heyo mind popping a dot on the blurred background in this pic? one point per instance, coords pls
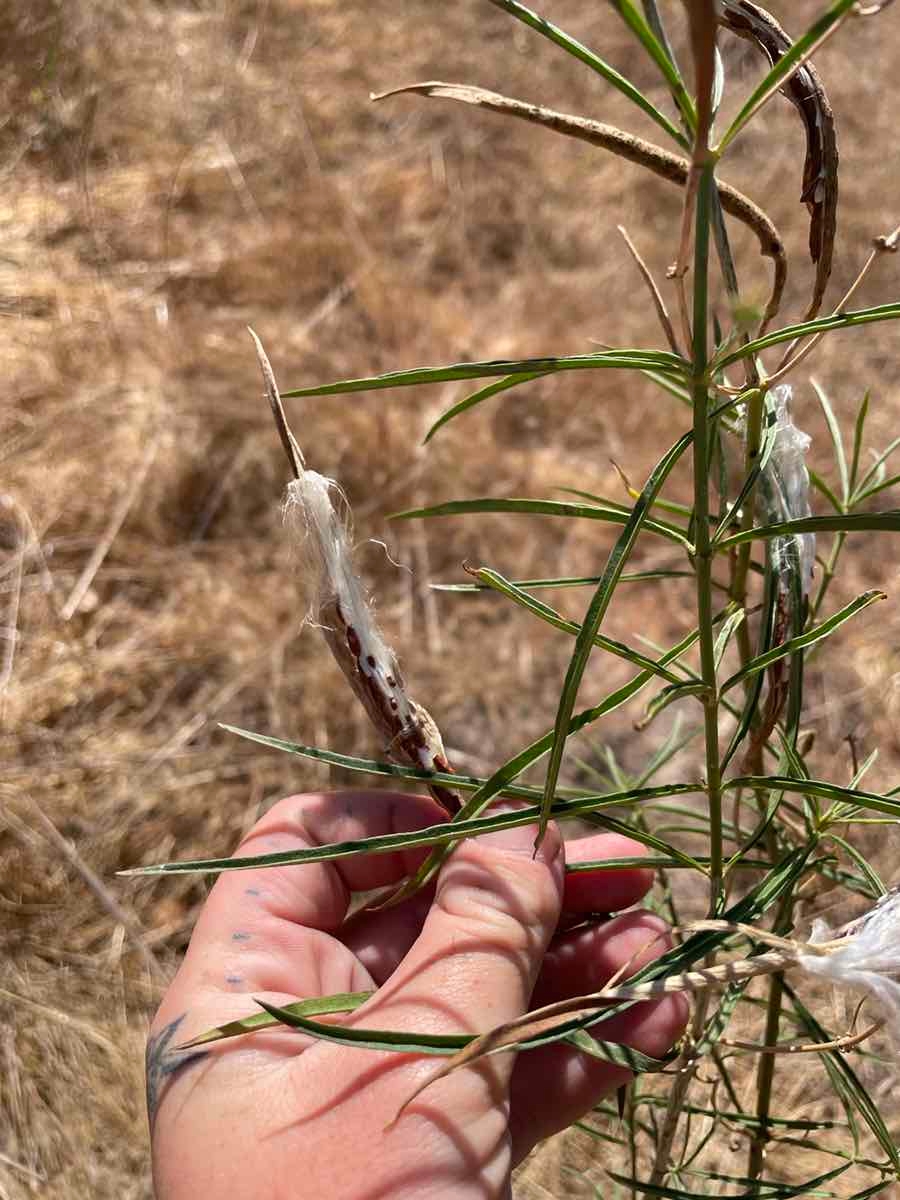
(175, 172)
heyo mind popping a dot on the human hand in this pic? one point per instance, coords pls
(278, 1115)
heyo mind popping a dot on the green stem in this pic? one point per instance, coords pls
(827, 575)
(765, 1074)
(764, 1078)
(740, 563)
(703, 547)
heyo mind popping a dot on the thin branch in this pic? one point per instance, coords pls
(847, 1042)
(658, 303)
(885, 244)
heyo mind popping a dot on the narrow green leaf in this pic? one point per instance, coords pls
(819, 787)
(855, 884)
(670, 695)
(843, 320)
(834, 432)
(874, 489)
(371, 766)
(746, 1118)
(864, 768)
(816, 634)
(726, 633)
(658, 860)
(877, 1189)
(878, 465)
(659, 360)
(618, 1054)
(654, 20)
(498, 583)
(679, 510)
(738, 859)
(485, 393)
(790, 755)
(774, 78)
(884, 522)
(567, 581)
(674, 744)
(638, 834)
(602, 1135)
(821, 486)
(680, 958)
(443, 1044)
(874, 880)
(500, 783)
(760, 1189)
(550, 508)
(757, 899)
(766, 446)
(668, 384)
(858, 431)
(562, 39)
(434, 834)
(639, 26)
(315, 1007)
(719, 1022)
(596, 612)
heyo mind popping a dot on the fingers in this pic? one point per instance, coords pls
(584, 960)
(268, 929)
(475, 962)
(605, 891)
(473, 965)
(380, 939)
(553, 1087)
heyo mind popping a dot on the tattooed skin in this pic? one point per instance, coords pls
(163, 1064)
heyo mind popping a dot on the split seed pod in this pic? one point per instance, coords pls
(317, 513)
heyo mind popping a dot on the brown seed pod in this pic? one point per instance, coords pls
(340, 607)
(805, 91)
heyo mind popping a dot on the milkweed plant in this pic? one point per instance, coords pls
(752, 545)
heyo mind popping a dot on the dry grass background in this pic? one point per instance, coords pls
(173, 172)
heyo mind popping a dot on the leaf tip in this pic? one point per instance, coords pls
(211, 1035)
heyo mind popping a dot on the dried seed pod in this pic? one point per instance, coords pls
(660, 162)
(805, 91)
(340, 607)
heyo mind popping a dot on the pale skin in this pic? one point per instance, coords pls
(278, 1116)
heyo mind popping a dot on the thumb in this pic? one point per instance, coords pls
(476, 960)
